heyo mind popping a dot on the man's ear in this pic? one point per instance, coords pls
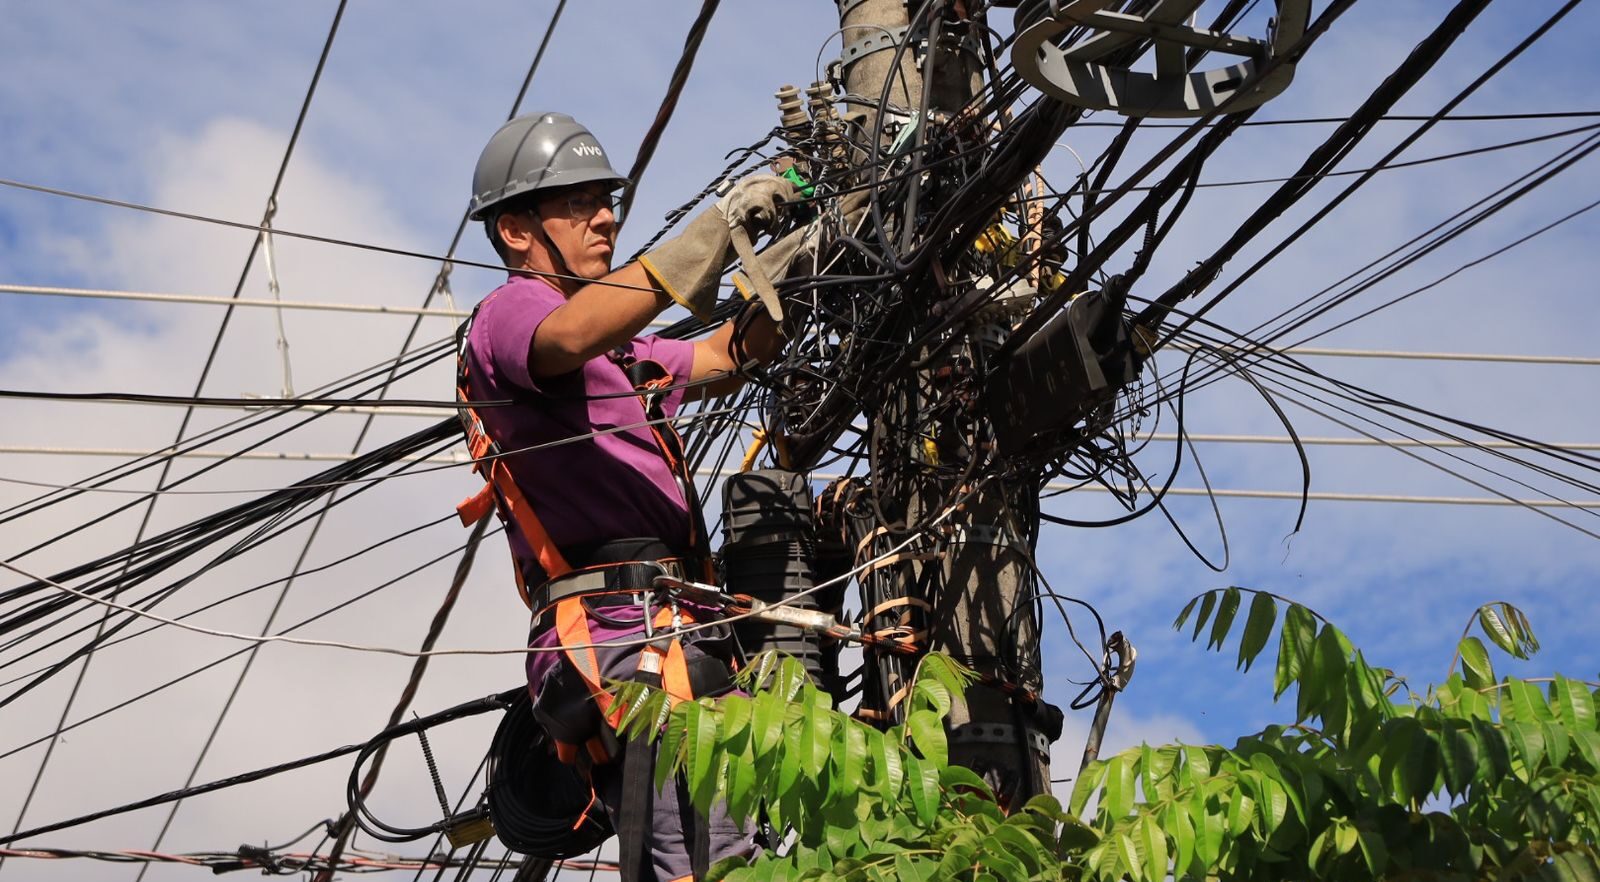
(516, 231)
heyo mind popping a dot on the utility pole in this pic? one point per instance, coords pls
(974, 597)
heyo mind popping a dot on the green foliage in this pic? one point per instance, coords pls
(1477, 778)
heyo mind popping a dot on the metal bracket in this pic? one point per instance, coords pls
(877, 41)
(998, 733)
(1074, 74)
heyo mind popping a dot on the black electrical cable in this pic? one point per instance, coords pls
(1428, 160)
(128, 702)
(225, 430)
(1388, 117)
(138, 571)
(243, 592)
(1422, 59)
(292, 234)
(461, 711)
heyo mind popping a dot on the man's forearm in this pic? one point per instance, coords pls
(597, 319)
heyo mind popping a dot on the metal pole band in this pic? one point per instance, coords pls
(879, 40)
(998, 733)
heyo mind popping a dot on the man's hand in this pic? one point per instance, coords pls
(795, 251)
(688, 266)
(755, 202)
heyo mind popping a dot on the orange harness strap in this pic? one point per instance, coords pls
(572, 629)
(500, 490)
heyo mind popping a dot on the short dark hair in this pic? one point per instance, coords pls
(522, 203)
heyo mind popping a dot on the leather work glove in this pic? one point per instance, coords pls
(799, 249)
(689, 265)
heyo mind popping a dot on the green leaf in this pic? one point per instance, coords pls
(886, 765)
(927, 731)
(700, 724)
(669, 755)
(1573, 703)
(934, 695)
(1128, 857)
(1208, 602)
(1587, 744)
(1576, 866)
(1177, 624)
(960, 777)
(1557, 744)
(1004, 865)
(1458, 755)
(816, 734)
(923, 780)
(742, 790)
(1241, 810)
(1212, 827)
(1224, 620)
(1522, 627)
(1153, 846)
(1497, 630)
(1475, 666)
(1019, 843)
(1528, 738)
(1274, 806)
(1084, 787)
(1421, 767)
(1526, 702)
(1319, 845)
(1345, 838)
(945, 670)
(1117, 800)
(766, 719)
(1322, 684)
(1374, 853)
(1257, 629)
(736, 711)
(789, 756)
(959, 856)
(850, 754)
(1181, 826)
(1494, 756)
(1397, 738)
(1294, 647)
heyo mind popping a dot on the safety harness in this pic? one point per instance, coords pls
(567, 597)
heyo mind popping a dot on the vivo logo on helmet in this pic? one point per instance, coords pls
(587, 150)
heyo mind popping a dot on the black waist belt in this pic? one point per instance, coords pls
(612, 584)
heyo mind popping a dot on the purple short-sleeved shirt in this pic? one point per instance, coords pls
(601, 488)
(596, 489)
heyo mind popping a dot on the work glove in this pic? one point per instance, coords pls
(798, 250)
(689, 265)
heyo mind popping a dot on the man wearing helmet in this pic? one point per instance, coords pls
(584, 468)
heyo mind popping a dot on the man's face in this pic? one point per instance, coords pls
(582, 225)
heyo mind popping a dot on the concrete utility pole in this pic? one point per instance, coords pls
(975, 597)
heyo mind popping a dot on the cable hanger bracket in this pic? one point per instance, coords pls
(1076, 73)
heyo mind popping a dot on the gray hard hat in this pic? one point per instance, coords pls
(537, 151)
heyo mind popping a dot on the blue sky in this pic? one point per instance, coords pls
(189, 105)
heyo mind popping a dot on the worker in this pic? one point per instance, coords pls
(584, 467)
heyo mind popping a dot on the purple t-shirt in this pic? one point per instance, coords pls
(603, 487)
(615, 485)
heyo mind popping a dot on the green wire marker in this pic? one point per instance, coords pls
(804, 186)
